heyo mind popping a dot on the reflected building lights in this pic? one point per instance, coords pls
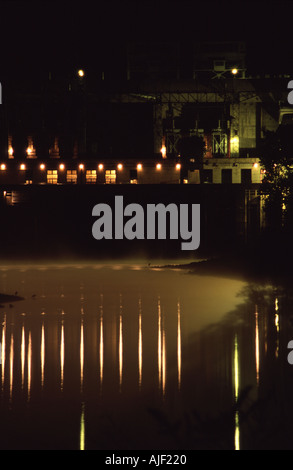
(101, 348)
(82, 429)
(42, 354)
(120, 347)
(29, 366)
(81, 353)
(236, 393)
(164, 363)
(179, 359)
(62, 355)
(159, 345)
(161, 351)
(3, 347)
(11, 366)
(22, 356)
(277, 325)
(139, 347)
(256, 345)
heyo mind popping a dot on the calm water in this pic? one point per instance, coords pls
(126, 357)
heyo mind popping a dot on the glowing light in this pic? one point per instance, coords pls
(29, 150)
(82, 429)
(255, 165)
(3, 348)
(179, 344)
(234, 144)
(159, 345)
(164, 151)
(178, 166)
(80, 73)
(81, 352)
(29, 367)
(81, 166)
(10, 151)
(234, 71)
(101, 348)
(3, 167)
(42, 166)
(101, 166)
(256, 346)
(22, 166)
(22, 355)
(139, 347)
(139, 166)
(11, 365)
(159, 166)
(120, 351)
(42, 355)
(62, 354)
(120, 166)
(61, 167)
(236, 393)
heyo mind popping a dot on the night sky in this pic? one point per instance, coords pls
(62, 36)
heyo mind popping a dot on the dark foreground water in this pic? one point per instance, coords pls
(119, 357)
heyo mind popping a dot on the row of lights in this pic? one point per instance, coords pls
(81, 166)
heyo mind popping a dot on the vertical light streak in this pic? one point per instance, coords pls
(101, 348)
(164, 363)
(120, 351)
(179, 358)
(3, 349)
(159, 345)
(29, 366)
(81, 354)
(43, 355)
(277, 325)
(62, 355)
(11, 366)
(236, 393)
(256, 345)
(82, 429)
(139, 347)
(22, 356)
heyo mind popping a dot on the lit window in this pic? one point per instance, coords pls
(91, 176)
(71, 176)
(52, 176)
(110, 177)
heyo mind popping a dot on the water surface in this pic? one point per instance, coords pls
(117, 356)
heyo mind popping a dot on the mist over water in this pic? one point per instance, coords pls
(103, 356)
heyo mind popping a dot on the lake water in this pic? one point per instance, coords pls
(126, 356)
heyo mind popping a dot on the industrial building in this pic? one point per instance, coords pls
(190, 117)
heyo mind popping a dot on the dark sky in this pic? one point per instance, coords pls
(65, 35)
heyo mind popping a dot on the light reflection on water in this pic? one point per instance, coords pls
(89, 350)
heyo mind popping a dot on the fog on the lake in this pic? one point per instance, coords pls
(107, 356)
